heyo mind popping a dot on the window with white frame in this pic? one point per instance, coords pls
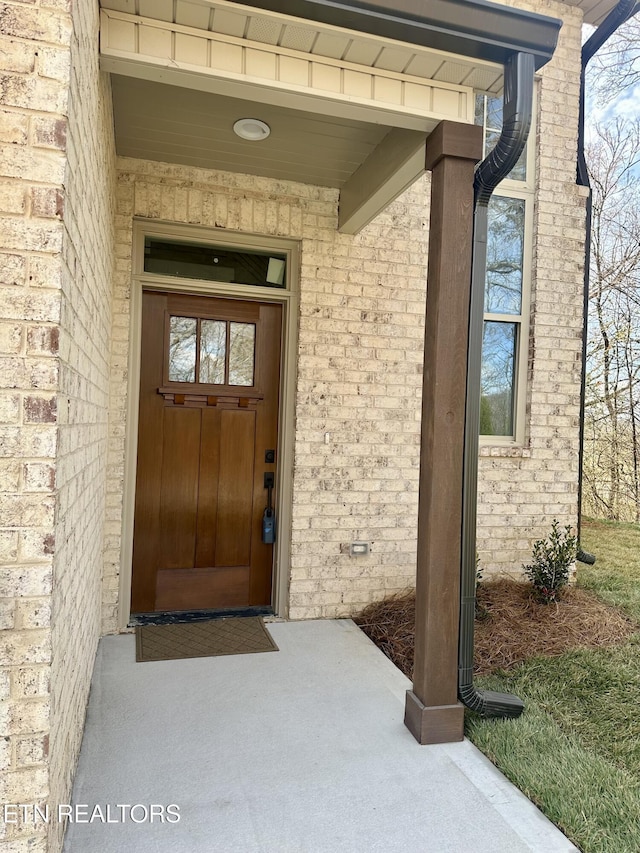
(507, 286)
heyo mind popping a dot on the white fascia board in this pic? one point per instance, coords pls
(233, 67)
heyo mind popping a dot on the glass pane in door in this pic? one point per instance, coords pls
(182, 349)
(213, 345)
(242, 338)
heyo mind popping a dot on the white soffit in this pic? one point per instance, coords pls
(262, 27)
(594, 11)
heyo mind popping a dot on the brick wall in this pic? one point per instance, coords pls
(55, 277)
(83, 398)
(521, 490)
(360, 382)
(34, 57)
(359, 370)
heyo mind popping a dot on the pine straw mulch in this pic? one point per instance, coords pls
(510, 627)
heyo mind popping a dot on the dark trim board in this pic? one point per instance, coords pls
(473, 28)
(140, 619)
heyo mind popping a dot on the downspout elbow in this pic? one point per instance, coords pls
(488, 703)
(517, 111)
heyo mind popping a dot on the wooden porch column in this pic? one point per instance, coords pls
(432, 712)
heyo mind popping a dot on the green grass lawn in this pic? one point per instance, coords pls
(615, 577)
(576, 749)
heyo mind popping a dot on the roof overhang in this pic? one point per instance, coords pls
(360, 83)
(472, 28)
(594, 11)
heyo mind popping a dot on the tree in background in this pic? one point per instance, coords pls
(617, 63)
(611, 476)
(611, 485)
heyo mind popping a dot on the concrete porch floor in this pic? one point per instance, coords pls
(298, 751)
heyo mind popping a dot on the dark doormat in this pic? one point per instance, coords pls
(203, 639)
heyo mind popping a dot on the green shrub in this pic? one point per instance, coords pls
(552, 559)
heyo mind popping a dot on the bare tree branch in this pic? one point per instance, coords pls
(612, 431)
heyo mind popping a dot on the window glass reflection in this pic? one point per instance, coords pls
(241, 353)
(213, 263)
(213, 344)
(494, 113)
(505, 251)
(182, 349)
(498, 378)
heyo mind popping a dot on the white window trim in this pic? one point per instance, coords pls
(524, 190)
(523, 322)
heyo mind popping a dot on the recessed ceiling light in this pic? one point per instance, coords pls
(252, 129)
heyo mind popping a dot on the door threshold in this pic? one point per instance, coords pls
(174, 617)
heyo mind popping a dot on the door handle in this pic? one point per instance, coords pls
(268, 518)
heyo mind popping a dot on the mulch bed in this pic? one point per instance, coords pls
(511, 625)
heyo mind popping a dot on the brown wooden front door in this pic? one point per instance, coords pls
(209, 385)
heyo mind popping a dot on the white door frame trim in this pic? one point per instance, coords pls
(288, 297)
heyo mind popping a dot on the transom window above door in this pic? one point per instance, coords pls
(213, 263)
(210, 351)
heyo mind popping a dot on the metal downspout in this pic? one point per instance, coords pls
(622, 12)
(517, 109)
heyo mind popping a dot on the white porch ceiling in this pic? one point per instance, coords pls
(155, 121)
(345, 110)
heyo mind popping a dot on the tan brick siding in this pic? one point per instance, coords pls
(522, 490)
(83, 400)
(359, 375)
(56, 156)
(359, 383)
(33, 126)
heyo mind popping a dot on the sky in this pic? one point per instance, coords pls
(625, 105)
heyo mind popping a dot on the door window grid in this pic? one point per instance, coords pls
(218, 352)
